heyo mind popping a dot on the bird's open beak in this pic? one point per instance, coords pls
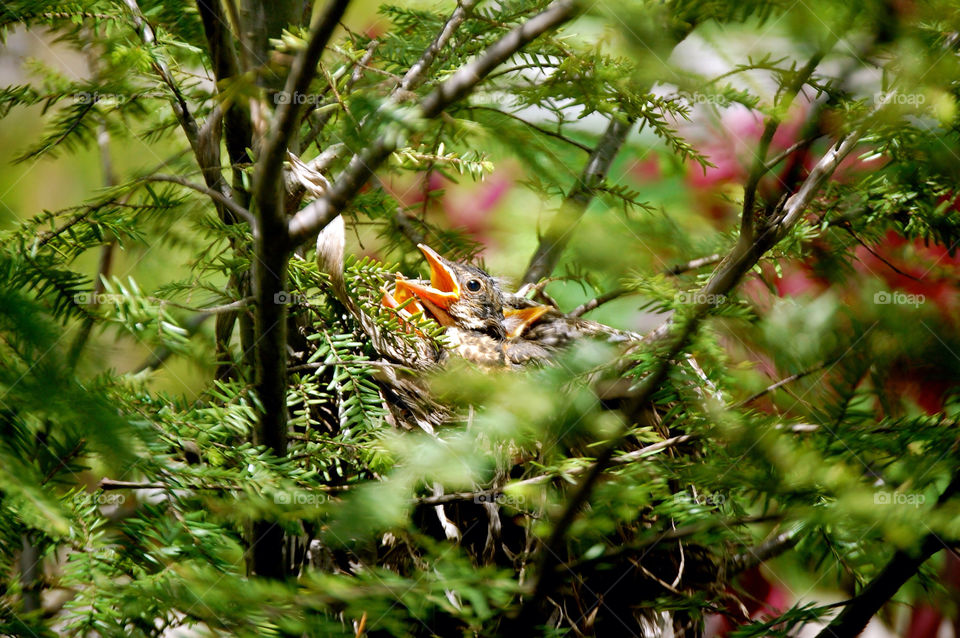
(443, 289)
(516, 321)
(435, 298)
(401, 299)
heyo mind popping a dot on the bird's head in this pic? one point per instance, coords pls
(458, 295)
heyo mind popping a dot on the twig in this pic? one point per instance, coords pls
(270, 163)
(539, 129)
(783, 382)
(325, 116)
(206, 149)
(890, 265)
(763, 552)
(111, 484)
(558, 234)
(216, 196)
(616, 293)
(159, 356)
(238, 127)
(106, 251)
(675, 534)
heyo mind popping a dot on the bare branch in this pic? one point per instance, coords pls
(574, 205)
(416, 75)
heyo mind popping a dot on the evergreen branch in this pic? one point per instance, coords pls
(468, 76)
(159, 356)
(205, 144)
(217, 197)
(749, 249)
(728, 275)
(858, 611)
(180, 108)
(671, 535)
(311, 219)
(574, 205)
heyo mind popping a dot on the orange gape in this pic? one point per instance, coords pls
(409, 298)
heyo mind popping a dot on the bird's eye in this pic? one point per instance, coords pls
(473, 285)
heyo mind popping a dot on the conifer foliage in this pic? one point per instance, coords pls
(790, 420)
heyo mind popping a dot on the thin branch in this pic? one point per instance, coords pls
(763, 552)
(887, 262)
(671, 535)
(105, 263)
(783, 382)
(111, 484)
(238, 127)
(322, 119)
(616, 293)
(159, 356)
(693, 264)
(539, 129)
(216, 196)
(745, 254)
(558, 234)
(306, 223)
(468, 76)
(206, 149)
